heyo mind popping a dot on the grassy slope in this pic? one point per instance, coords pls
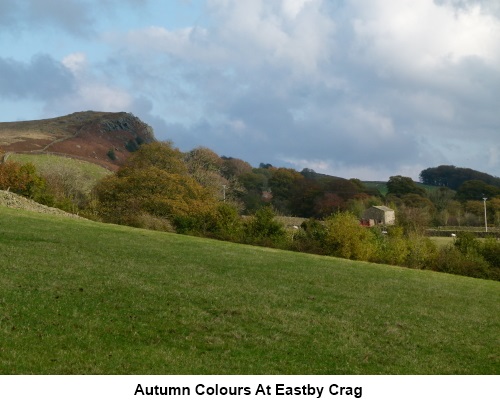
(79, 297)
(379, 185)
(88, 173)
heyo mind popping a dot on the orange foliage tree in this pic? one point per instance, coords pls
(154, 182)
(21, 179)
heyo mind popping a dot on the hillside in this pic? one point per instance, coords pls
(98, 137)
(144, 302)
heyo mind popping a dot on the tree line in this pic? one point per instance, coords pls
(201, 193)
(453, 177)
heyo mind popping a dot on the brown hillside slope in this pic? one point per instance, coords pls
(85, 135)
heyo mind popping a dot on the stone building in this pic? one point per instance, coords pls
(378, 215)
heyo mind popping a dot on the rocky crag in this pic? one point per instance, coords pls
(99, 137)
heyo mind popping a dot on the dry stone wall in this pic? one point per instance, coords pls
(12, 200)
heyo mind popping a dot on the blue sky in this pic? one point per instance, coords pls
(359, 88)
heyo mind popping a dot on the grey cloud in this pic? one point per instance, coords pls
(489, 6)
(7, 12)
(350, 110)
(43, 78)
(76, 17)
(73, 16)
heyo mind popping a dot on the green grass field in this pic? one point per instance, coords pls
(379, 185)
(84, 174)
(442, 241)
(78, 297)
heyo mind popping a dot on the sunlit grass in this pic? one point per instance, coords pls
(78, 297)
(86, 174)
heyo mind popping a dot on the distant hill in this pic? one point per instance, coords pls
(453, 177)
(311, 174)
(98, 137)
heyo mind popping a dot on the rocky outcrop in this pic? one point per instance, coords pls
(103, 138)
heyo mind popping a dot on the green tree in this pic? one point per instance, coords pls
(254, 183)
(393, 247)
(346, 238)
(400, 185)
(476, 190)
(263, 228)
(282, 185)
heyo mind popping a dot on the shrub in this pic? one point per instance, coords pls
(264, 229)
(148, 221)
(132, 145)
(452, 260)
(490, 250)
(228, 223)
(393, 248)
(467, 243)
(223, 222)
(422, 251)
(346, 238)
(310, 238)
(111, 154)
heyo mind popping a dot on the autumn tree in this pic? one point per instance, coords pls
(204, 165)
(232, 167)
(327, 204)
(21, 179)
(305, 196)
(155, 182)
(162, 155)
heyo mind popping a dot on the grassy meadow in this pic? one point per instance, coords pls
(79, 297)
(84, 174)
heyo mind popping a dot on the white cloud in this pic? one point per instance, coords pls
(293, 7)
(247, 35)
(381, 87)
(76, 62)
(100, 97)
(423, 37)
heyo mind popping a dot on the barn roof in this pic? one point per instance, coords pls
(383, 208)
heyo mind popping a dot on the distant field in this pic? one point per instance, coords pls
(379, 185)
(79, 297)
(441, 241)
(87, 174)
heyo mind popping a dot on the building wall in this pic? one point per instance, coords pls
(380, 216)
(390, 218)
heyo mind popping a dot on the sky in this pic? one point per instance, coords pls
(362, 89)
